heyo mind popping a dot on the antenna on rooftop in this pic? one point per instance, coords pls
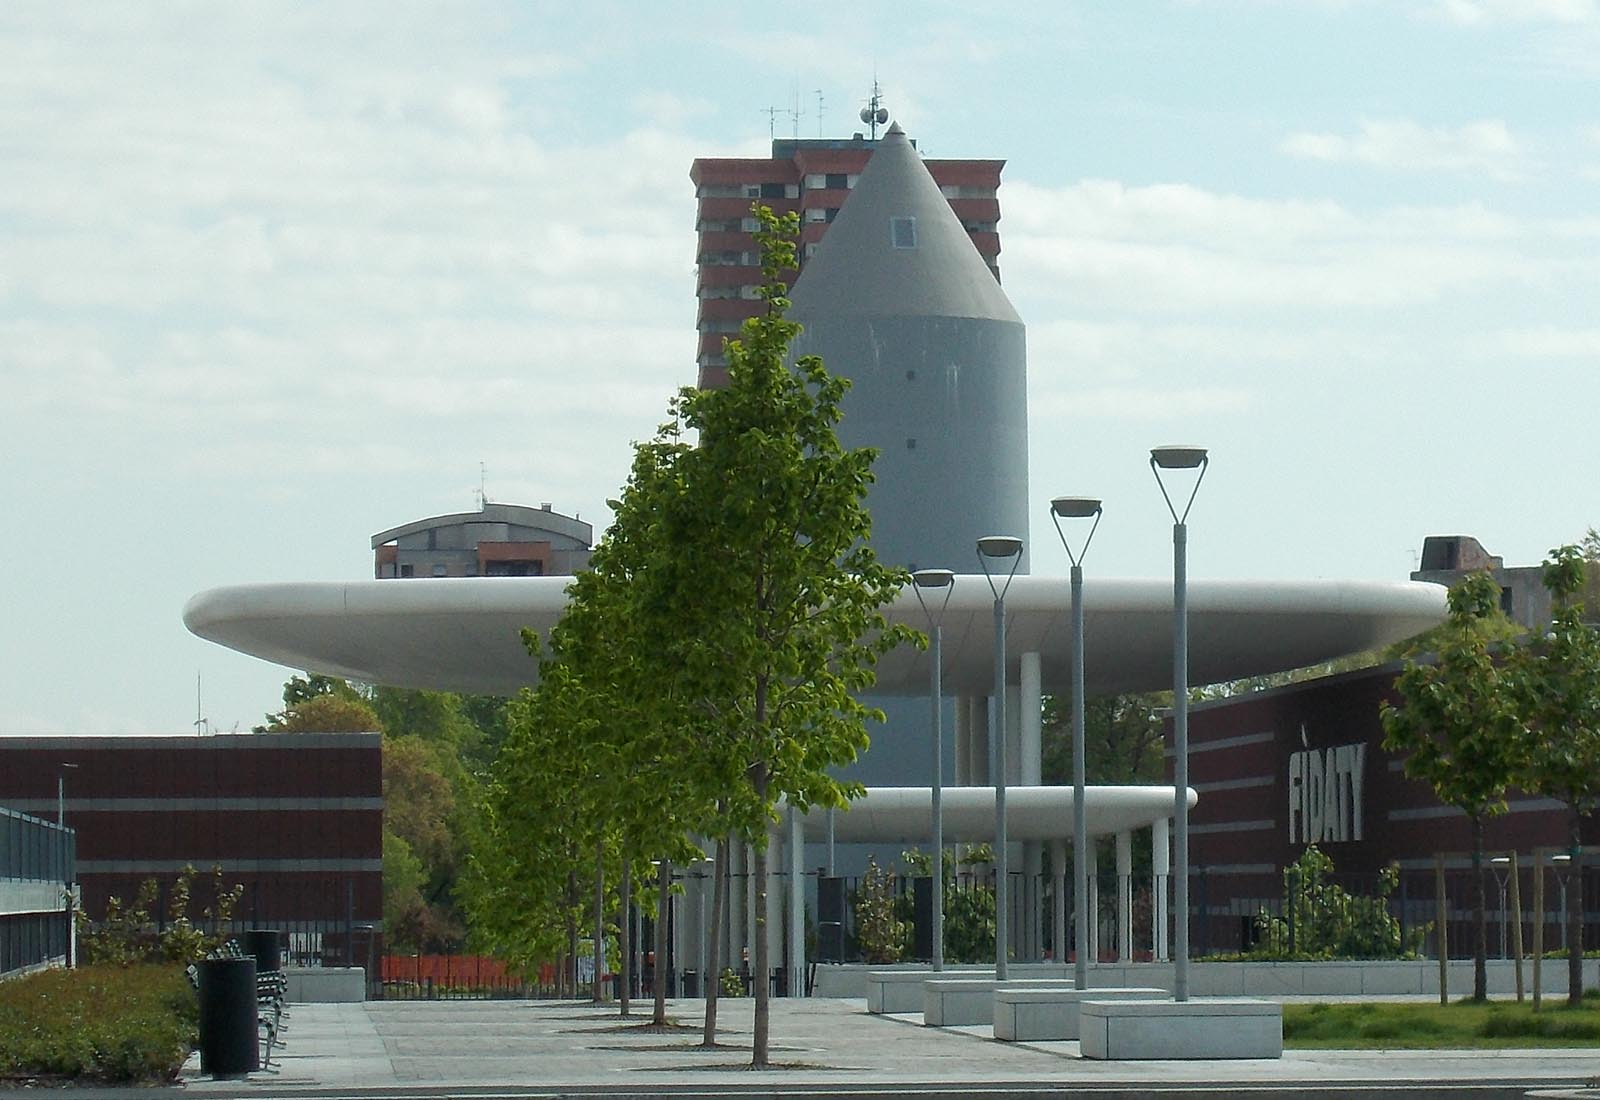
(483, 492)
(875, 114)
(819, 111)
(772, 114)
(202, 725)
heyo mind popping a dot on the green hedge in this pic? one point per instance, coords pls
(134, 1024)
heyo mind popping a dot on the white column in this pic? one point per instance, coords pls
(1125, 897)
(1013, 736)
(1092, 937)
(1160, 870)
(963, 776)
(978, 743)
(796, 848)
(1031, 718)
(775, 908)
(1058, 907)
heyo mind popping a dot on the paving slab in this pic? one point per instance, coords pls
(823, 1048)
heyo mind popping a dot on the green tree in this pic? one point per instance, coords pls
(1322, 920)
(329, 713)
(1457, 724)
(881, 932)
(761, 590)
(1558, 681)
(1122, 738)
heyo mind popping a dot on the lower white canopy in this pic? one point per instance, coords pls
(904, 815)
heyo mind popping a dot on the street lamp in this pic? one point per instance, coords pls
(1078, 508)
(1565, 860)
(1001, 548)
(1180, 458)
(946, 580)
(1497, 865)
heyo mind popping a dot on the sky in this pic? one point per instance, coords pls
(274, 278)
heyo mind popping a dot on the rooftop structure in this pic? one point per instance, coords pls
(498, 540)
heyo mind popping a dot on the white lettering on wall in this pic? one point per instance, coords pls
(1325, 794)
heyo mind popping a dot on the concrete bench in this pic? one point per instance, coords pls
(1051, 1012)
(1220, 1028)
(962, 1002)
(900, 991)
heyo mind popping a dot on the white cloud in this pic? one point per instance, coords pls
(1478, 13)
(1486, 147)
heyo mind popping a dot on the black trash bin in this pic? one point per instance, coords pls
(265, 945)
(689, 984)
(228, 1037)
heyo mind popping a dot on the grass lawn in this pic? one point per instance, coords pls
(1493, 1025)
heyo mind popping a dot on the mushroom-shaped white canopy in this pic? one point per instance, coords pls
(463, 634)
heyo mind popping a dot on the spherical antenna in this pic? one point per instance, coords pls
(866, 114)
(882, 115)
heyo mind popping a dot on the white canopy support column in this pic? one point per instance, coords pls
(1125, 897)
(796, 849)
(963, 742)
(1031, 715)
(1058, 899)
(1091, 935)
(1160, 875)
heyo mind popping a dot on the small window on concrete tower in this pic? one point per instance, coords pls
(903, 232)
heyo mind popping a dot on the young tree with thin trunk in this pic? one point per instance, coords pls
(763, 593)
(1457, 724)
(1558, 681)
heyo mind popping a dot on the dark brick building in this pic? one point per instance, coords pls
(297, 819)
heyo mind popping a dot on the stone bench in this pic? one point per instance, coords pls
(900, 991)
(962, 1002)
(1050, 1012)
(1230, 1027)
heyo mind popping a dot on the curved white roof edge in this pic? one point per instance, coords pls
(905, 814)
(463, 634)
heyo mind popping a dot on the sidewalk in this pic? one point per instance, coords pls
(825, 1046)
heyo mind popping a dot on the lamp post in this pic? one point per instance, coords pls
(936, 579)
(1180, 458)
(1000, 548)
(1078, 508)
(1500, 868)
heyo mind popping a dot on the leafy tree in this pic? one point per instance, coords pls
(761, 591)
(1122, 738)
(330, 713)
(881, 932)
(1457, 724)
(1322, 920)
(1558, 682)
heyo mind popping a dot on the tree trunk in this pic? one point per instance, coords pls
(1480, 919)
(1575, 912)
(763, 963)
(663, 910)
(599, 920)
(713, 975)
(625, 934)
(570, 970)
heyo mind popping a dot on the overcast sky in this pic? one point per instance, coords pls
(276, 277)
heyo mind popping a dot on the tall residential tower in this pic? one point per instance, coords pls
(811, 177)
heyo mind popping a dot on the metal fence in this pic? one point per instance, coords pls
(37, 862)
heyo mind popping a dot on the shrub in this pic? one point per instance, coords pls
(1324, 921)
(110, 1023)
(880, 931)
(128, 934)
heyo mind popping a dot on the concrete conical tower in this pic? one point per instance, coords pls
(898, 300)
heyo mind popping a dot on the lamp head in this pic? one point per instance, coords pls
(1178, 456)
(999, 546)
(933, 578)
(1075, 507)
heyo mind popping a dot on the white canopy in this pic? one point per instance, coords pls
(463, 634)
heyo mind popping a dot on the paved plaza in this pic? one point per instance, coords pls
(824, 1048)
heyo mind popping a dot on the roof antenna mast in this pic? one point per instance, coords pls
(875, 114)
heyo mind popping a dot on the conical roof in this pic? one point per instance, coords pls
(897, 249)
